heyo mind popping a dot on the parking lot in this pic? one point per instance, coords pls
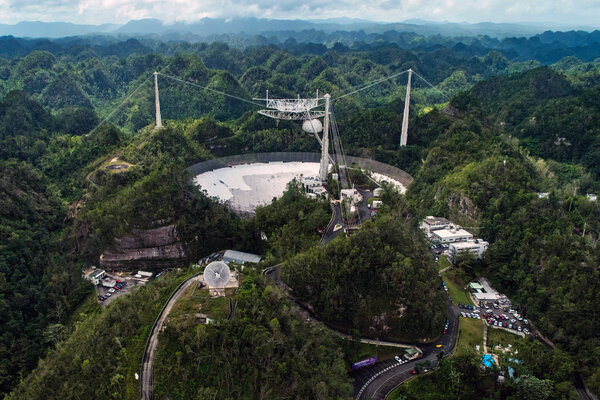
(497, 316)
(122, 285)
(438, 249)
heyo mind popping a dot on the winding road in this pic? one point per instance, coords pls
(387, 380)
(378, 380)
(147, 370)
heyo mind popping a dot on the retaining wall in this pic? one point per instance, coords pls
(375, 166)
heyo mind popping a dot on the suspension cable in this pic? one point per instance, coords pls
(377, 82)
(211, 90)
(120, 105)
(433, 87)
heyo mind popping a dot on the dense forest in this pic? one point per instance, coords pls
(265, 351)
(380, 282)
(512, 129)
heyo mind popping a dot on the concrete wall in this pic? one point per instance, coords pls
(365, 163)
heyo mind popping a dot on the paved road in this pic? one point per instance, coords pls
(147, 371)
(364, 213)
(388, 379)
(330, 234)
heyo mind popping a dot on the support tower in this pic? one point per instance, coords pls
(324, 167)
(404, 135)
(157, 101)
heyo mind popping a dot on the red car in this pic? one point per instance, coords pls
(412, 371)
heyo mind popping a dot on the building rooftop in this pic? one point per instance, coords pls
(449, 233)
(475, 286)
(486, 296)
(240, 256)
(467, 245)
(431, 220)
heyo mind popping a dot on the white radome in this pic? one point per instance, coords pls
(216, 274)
(312, 126)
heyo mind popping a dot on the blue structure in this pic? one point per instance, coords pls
(487, 360)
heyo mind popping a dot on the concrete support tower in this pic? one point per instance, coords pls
(157, 101)
(404, 135)
(324, 168)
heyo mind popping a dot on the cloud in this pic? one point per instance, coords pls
(120, 11)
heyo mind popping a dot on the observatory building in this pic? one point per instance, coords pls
(218, 277)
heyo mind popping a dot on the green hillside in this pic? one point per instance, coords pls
(480, 159)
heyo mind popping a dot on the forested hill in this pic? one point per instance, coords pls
(546, 48)
(481, 160)
(539, 256)
(554, 116)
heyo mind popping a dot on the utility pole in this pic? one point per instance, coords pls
(324, 168)
(157, 101)
(404, 135)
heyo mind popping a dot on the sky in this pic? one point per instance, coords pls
(556, 12)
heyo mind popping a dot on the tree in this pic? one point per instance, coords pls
(531, 388)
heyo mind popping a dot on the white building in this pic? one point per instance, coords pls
(431, 224)
(477, 247)
(352, 194)
(319, 191)
(592, 197)
(95, 276)
(310, 182)
(376, 204)
(451, 235)
(377, 192)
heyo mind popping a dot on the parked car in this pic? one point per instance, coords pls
(397, 359)
(412, 371)
(111, 290)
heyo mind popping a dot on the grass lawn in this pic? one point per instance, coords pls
(470, 334)
(366, 350)
(443, 262)
(499, 336)
(456, 283)
(201, 302)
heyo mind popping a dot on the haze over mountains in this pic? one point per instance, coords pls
(252, 26)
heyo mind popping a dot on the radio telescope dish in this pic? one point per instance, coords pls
(312, 126)
(216, 274)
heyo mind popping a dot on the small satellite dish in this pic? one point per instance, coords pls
(312, 126)
(216, 274)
